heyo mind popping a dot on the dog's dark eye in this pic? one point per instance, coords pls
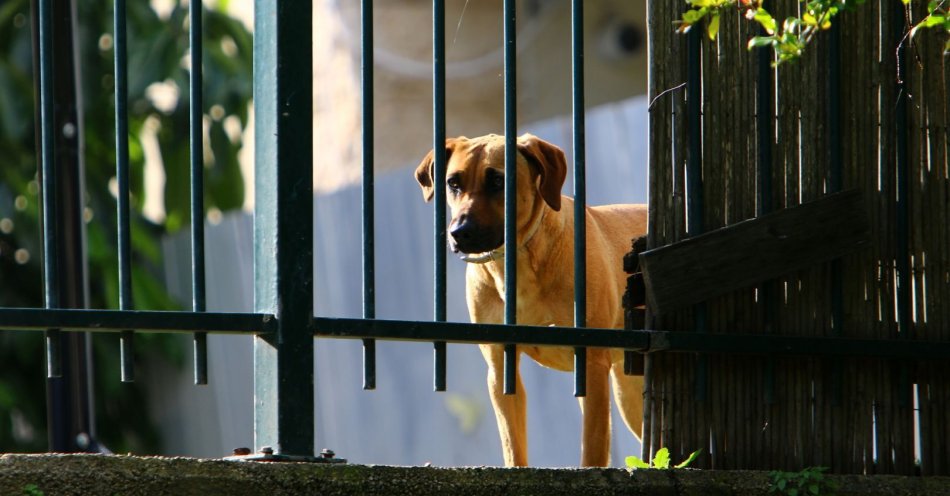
(495, 183)
(453, 184)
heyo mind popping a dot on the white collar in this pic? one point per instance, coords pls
(499, 253)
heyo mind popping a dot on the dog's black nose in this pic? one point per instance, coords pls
(469, 236)
(463, 231)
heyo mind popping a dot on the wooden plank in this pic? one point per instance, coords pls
(753, 251)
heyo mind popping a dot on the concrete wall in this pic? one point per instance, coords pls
(54, 475)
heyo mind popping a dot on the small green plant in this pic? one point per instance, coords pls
(809, 482)
(32, 490)
(660, 461)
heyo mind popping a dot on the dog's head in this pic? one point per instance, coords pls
(475, 186)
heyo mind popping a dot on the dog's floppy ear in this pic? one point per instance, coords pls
(551, 164)
(424, 173)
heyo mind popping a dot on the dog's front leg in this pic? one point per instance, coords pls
(510, 409)
(595, 408)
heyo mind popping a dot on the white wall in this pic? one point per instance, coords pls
(403, 422)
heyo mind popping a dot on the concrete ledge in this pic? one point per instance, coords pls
(132, 476)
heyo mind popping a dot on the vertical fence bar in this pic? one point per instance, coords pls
(69, 415)
(903, 461)
(127, 362)
(905, 325)
(438, 181)
(836, 162)
(835, 172)
(368, 188)
(902, 207)
(694, 177)
(195, 115)
(764, 191)
(580, 191)
(48, 176)
(511, 185)
(283, 225)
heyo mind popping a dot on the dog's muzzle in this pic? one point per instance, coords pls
(475, 243)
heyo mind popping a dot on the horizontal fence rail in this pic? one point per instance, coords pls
(638, 340)
(112, 321)
(139, 320)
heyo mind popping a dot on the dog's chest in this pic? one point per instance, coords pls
(539, 305)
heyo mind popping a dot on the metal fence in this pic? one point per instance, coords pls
(284, 324)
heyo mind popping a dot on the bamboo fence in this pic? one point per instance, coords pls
(852, 415)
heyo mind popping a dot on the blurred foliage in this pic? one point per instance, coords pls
(158, 100)
(789, 39)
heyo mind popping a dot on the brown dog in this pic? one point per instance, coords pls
(475, 190)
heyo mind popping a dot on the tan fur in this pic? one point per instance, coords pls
(545, 292)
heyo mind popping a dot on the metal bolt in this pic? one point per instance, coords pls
(83, 441)
(267, 450)
(242, 451)
(69, 130)
(327, 453)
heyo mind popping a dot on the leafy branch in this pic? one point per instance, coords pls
(790, 39)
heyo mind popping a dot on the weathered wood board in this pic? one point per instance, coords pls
(753, 251)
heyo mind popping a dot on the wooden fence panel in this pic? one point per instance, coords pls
(853, 415)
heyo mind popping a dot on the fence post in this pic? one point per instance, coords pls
(69, 416)
(283, 225)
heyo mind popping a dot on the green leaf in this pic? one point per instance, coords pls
(814, 489)
(709, 3)
(693, 16)
(634, 462)
(713, 28)
(692, 457)
(766, 20)
(662, 459)
(761, 41)
(934, 20)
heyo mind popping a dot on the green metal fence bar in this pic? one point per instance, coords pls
(905, 326)
(642, 341)
(764, 190)
(458, 332)
(69, 425)
(196, 115)
(758, 344)
(141, 320)
(580, 191)
(902, 204)
(48, 176)
(835, 173)
(283, 225)
(127, 357)
(511, 188)
(694, 176)
(368, 188)
(438, 182)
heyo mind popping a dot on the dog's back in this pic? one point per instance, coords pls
(610, 232)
